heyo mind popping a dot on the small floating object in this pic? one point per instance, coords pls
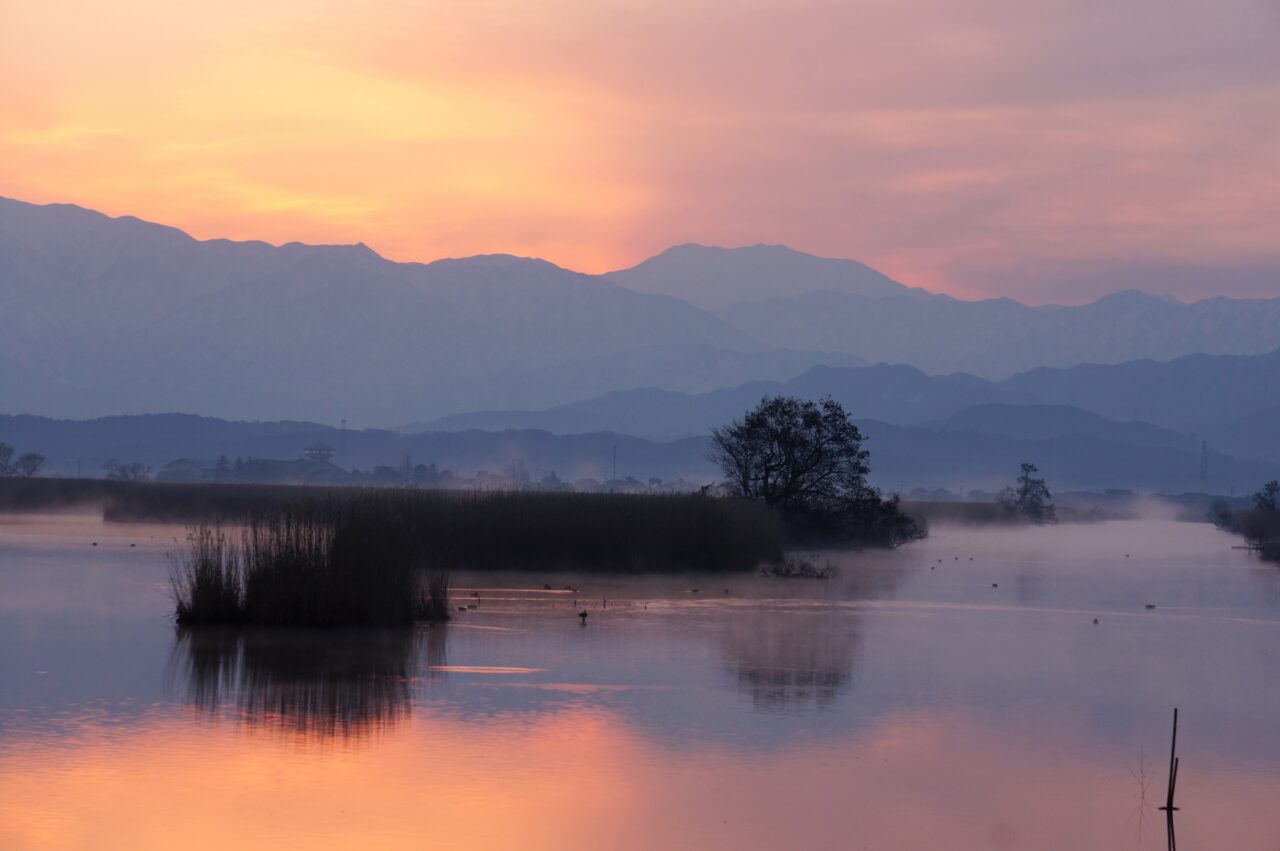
(1095, 620)
(1151, 605)
(95, 543)
(583, 614)
(1126, 555)
(995, 584)
(133, 545)
(471, 606)
(475, 593)
(462, 608)
(694, 590)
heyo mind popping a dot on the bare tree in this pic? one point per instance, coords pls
(6, 455)
(133, 471)
(29, 464)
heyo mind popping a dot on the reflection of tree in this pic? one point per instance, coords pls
(793, 659)
(313, 682)
(803, 654)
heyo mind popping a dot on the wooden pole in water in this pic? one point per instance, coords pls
(1173, 765)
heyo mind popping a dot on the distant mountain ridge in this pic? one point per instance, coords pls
(101, 315)
(786, 298)
(1225, 399)
(714, 278)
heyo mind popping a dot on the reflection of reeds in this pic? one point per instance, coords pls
(314, 682)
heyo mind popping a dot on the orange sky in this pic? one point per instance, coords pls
(991, 147)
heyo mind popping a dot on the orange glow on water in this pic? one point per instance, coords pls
(583, 779)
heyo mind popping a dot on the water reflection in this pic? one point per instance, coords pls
(982, 689)
(804, 659)
(325, 683)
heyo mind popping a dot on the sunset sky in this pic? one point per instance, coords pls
(1050, 151)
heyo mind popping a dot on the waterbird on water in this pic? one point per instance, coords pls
(583, 614)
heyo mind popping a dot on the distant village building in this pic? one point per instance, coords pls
(318, 452)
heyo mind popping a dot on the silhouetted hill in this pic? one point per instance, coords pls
(998, 338)
(102, 315)
(786, 298)
(898, 394)
(713, 277)
(1186, 393)
(1045, 422)
(1228, 400)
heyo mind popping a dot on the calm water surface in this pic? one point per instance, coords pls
(952, 695)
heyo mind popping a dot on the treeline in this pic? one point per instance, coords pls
(26, 465)
(1260, 525)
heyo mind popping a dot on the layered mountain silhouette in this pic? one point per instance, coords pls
(101, 315)
(1227, 400)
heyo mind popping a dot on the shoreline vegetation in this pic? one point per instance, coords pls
(364, 562)
(364, 557)
(1259, 526)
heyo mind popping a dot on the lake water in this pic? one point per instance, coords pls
(955, 694)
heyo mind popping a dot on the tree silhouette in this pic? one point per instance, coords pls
(1030, 498)
(29, 464)
(1268, 499)
(806, 459)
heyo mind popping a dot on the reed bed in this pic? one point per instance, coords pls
(499, 529)
(362, 557)
(359, 563)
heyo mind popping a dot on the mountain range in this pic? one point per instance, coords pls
(1227, 400)
(104, 315)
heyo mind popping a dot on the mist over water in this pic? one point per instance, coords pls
(955, 693)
